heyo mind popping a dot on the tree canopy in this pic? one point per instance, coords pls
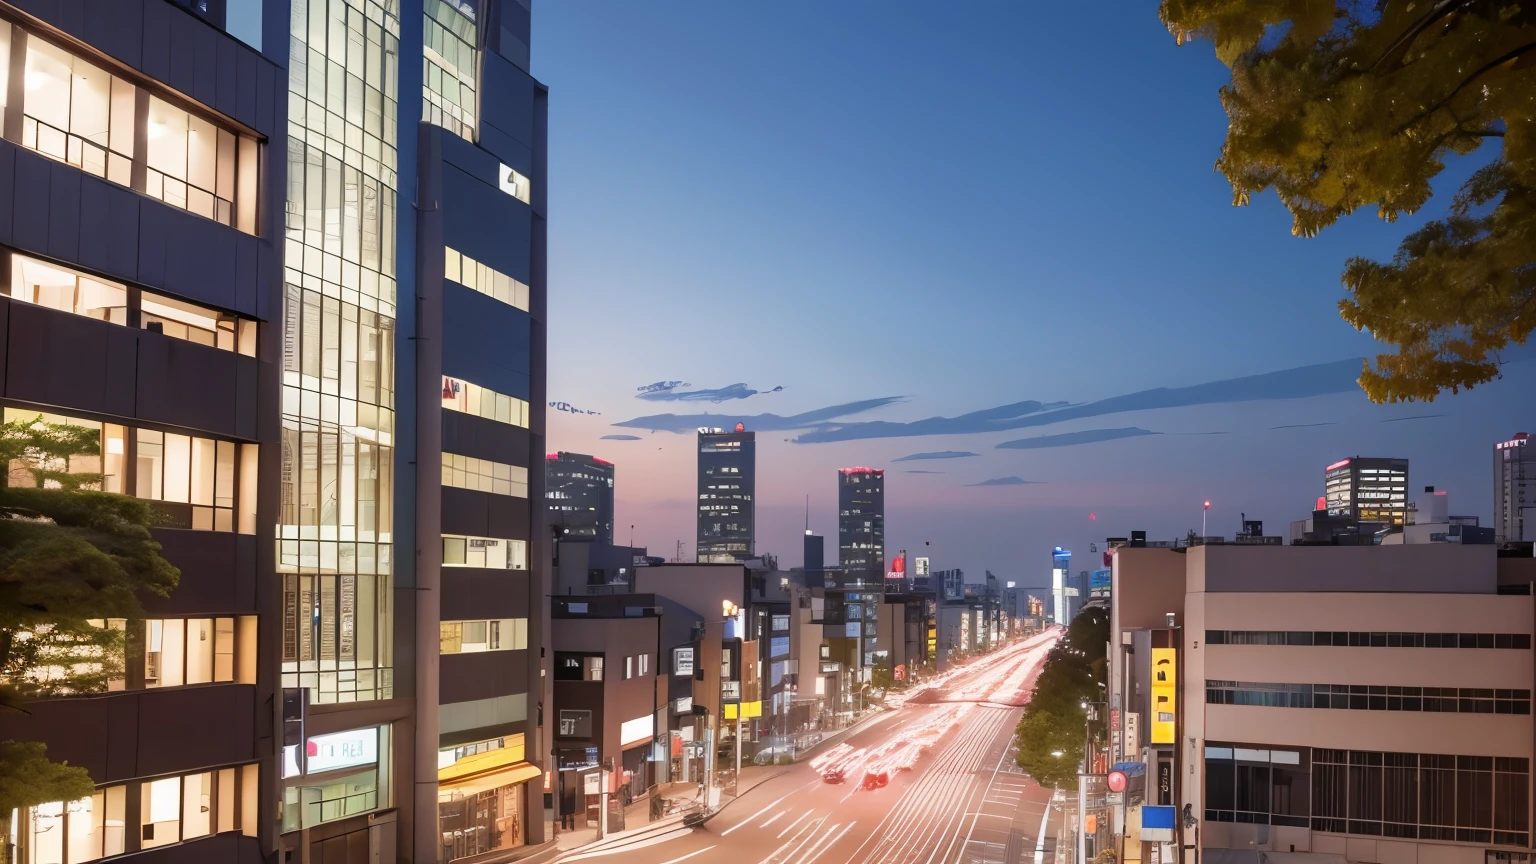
(1054, 721)
(1344, 104)
(74, 561)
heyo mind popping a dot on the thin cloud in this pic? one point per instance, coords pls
(1414, 417)
(1006, 481)
(756, 422)
(921, 471)
(1071, 439)
(1303, 425)
(672, 391)
(1299, 383)
(620, 438)
(942, 454)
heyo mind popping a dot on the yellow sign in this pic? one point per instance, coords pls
(746, 710)
(1165, 696)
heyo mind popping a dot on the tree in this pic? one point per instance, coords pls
(1344, 104)
(1054, 721)
(73, 563)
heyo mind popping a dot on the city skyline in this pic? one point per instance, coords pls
(981, 308)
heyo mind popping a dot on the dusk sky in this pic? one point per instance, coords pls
(949, 212)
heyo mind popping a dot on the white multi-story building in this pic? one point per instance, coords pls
(1514, 489)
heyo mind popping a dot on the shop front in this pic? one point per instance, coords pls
(482, 802)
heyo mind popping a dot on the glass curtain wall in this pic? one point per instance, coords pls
(335, 533)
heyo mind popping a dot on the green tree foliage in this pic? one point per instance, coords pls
(1054, 720)
(1344, 104)
(73, 562)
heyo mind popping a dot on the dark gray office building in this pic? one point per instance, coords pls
(286, 258)
(1368, 489)
(861, 519)
(579, 489)
(727, 477)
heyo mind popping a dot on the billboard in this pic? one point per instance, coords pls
(898, 567)
(1164, 695)
(1099, 583)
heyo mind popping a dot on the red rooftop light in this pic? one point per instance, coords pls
(601, 461)
(861, 470)
(1339, 464)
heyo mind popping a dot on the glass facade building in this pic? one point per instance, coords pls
(579, 489)
(861, 519)
(727, 479)
(1368, 489)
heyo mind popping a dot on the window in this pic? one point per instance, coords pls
(479, 277)
(467, 398)
(1361, 697)
(171, 810)
(76, 112)
(181, 651)
(1369, 639)
(69, 290)
(592, 668)
(497, 634)
(187, 470)
(193, 479)
(448, 67)
(629, 667)
(516, 185)
(488, 552)
(497, 478)
(643, 664)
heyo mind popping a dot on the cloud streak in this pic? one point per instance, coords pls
(671, 391)
(1006, 481)
(620, 438)
(1072, 439)
(1303, 425)
(921, 471)
(757, 422)
(942, 454)
(1414, 417)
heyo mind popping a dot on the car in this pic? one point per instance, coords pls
(832, 775)
(874, 778)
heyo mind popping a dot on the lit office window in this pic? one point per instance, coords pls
(74, 111)
(477, 276)
(497, 634)
(181, 651)
(487, 552)
(187, 470)
(69, 290)
(484, 475)
(466, 398)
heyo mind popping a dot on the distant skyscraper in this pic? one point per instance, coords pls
(861, 520)
(1061, 592)
(1368, 489)
(727, 479)
(1514, 489)
(579, 489)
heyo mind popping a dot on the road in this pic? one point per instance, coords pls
(961, 801)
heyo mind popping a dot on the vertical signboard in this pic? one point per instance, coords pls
(1165, 690)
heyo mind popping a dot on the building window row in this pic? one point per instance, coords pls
(496, 634)
(54, 286)
(1360, 697)
(488, 552)
(1368, 639)
(171, 810)
(578, 667)
(636, 665)
(484, 475)
(450, 58)
(198, 483)
(467, 398)
(73, 110)
(1471, 799)
(481, 277)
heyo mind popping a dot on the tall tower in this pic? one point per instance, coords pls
(1514, 489)
(861, 520)
(579, 490)
(727, 478)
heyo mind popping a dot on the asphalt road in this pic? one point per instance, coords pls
(962, 800)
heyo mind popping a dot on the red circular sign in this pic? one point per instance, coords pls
(1116, 781)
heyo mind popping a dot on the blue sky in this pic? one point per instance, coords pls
(966, 208)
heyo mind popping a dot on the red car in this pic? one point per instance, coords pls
(832, 775)
(874, 778)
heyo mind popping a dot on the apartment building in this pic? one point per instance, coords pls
(294, 281)
(1359, 703)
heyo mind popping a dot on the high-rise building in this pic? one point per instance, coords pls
(1063, 594)
(579, 489)
(223, 275)
(1514, 490)
(861, 519)
(1367, 489)
(727, 476)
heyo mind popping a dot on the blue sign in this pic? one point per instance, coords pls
(1099, 583)
(1130, 769)
(1158, 817)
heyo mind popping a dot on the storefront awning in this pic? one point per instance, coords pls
(499, 767)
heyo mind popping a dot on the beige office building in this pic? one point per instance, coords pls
(1357, 703)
